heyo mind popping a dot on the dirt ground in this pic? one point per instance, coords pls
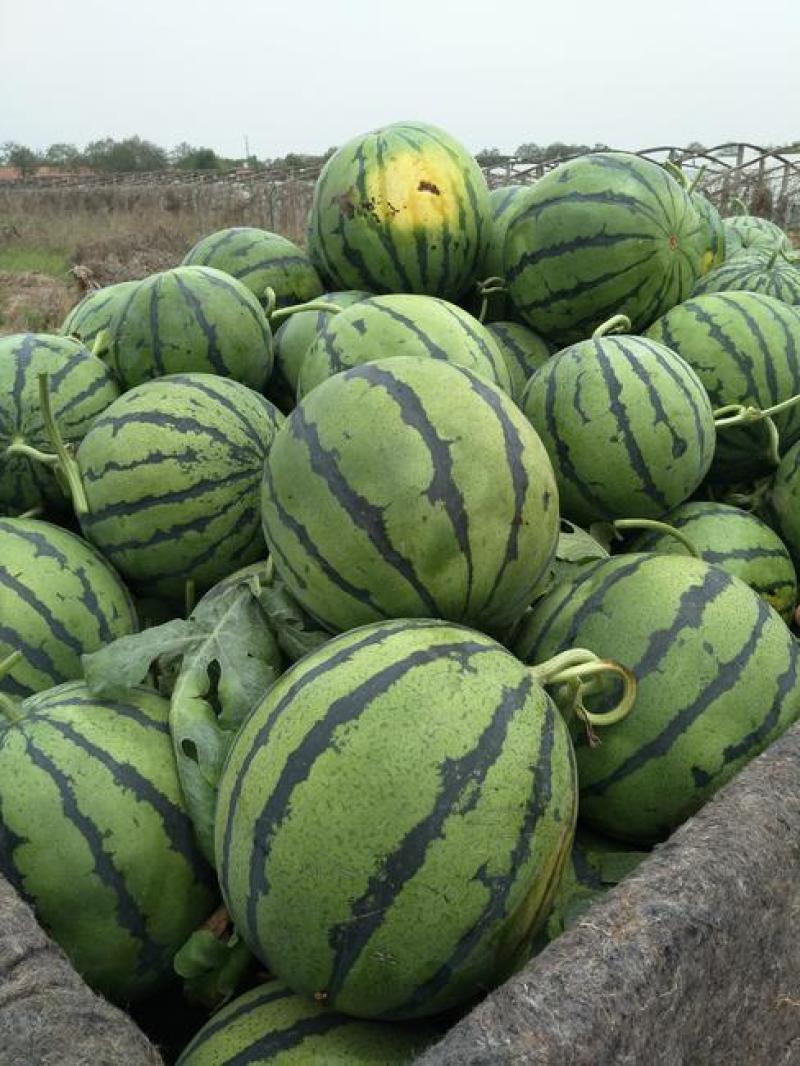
(34, 302)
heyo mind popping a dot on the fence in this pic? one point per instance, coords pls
(278, 198)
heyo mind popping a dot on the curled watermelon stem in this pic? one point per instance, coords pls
(737, 414)
(20, 448)
(485, 289)
(311, 305)
(660, 527)
(67, 465)
(573, 669)
(270, 301)
(615, 324)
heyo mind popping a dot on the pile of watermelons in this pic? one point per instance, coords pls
(335, 587)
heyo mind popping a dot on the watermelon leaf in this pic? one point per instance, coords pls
(118, 667)
(295, 631)
(228, 669)
(212, 968)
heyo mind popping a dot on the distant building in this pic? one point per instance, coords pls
(45, 171)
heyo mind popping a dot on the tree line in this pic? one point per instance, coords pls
(136, 155)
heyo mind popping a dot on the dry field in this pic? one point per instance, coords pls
(47, 238)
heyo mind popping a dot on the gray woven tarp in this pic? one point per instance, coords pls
(48, 1016)
(692, 961)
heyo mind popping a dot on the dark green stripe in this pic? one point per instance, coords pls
(298, 766)
(364, 514)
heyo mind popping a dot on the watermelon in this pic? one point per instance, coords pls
(58, 600)
(717, 674)
(502, 202)
(171, 473)
(746, 232)
(94, 834)
(95, 312)
(293, 339)
(627, 425)
(404, 208)
(393, 818)
(193, 319)
(737, 541)
(409, 488)
(272, 1024)
(784, 501)
(771, 274)
(401, 325)
(259, 260)
(601, 234)
(80, 388)
(745, 348)
(523, 351)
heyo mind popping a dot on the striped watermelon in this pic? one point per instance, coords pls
(404, 208)
(523, 351)
(602, 234)
(193, 319)
(747, 232)
(745, 349)
(80, 388)
(293, 338)
(401, 325)
(409, 488)
(259, 260)
(715, 231)
(95, 312)
(738, 542)
(771, 274)
(717, 675)
(94, 834)
(784, 501)
(358, 821)
(270, 1024)
(627, 425)
(58, 599)
(502, 202)
(172, 472)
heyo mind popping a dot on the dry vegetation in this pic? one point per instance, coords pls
(116, 235)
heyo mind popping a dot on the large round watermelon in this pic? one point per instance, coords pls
(627, 425)
(502, 202)
(59, 599)
(404, 208)
(393, 818)
(95, 312)
(409, 488)
(271, 1024)
(293, 338)
(94, 833)
(602, 234)
(401, 325)
(190, 319)
(748, 232)
(171, 473)
(259, 260)
(745, 348)
(737, 541)
(717, 673)
(80, 388)
(715, 229)
(768, 273)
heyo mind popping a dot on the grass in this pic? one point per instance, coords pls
(22, 259)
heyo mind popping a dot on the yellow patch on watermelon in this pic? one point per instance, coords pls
(414, 191)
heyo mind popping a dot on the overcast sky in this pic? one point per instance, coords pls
(306, 74)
